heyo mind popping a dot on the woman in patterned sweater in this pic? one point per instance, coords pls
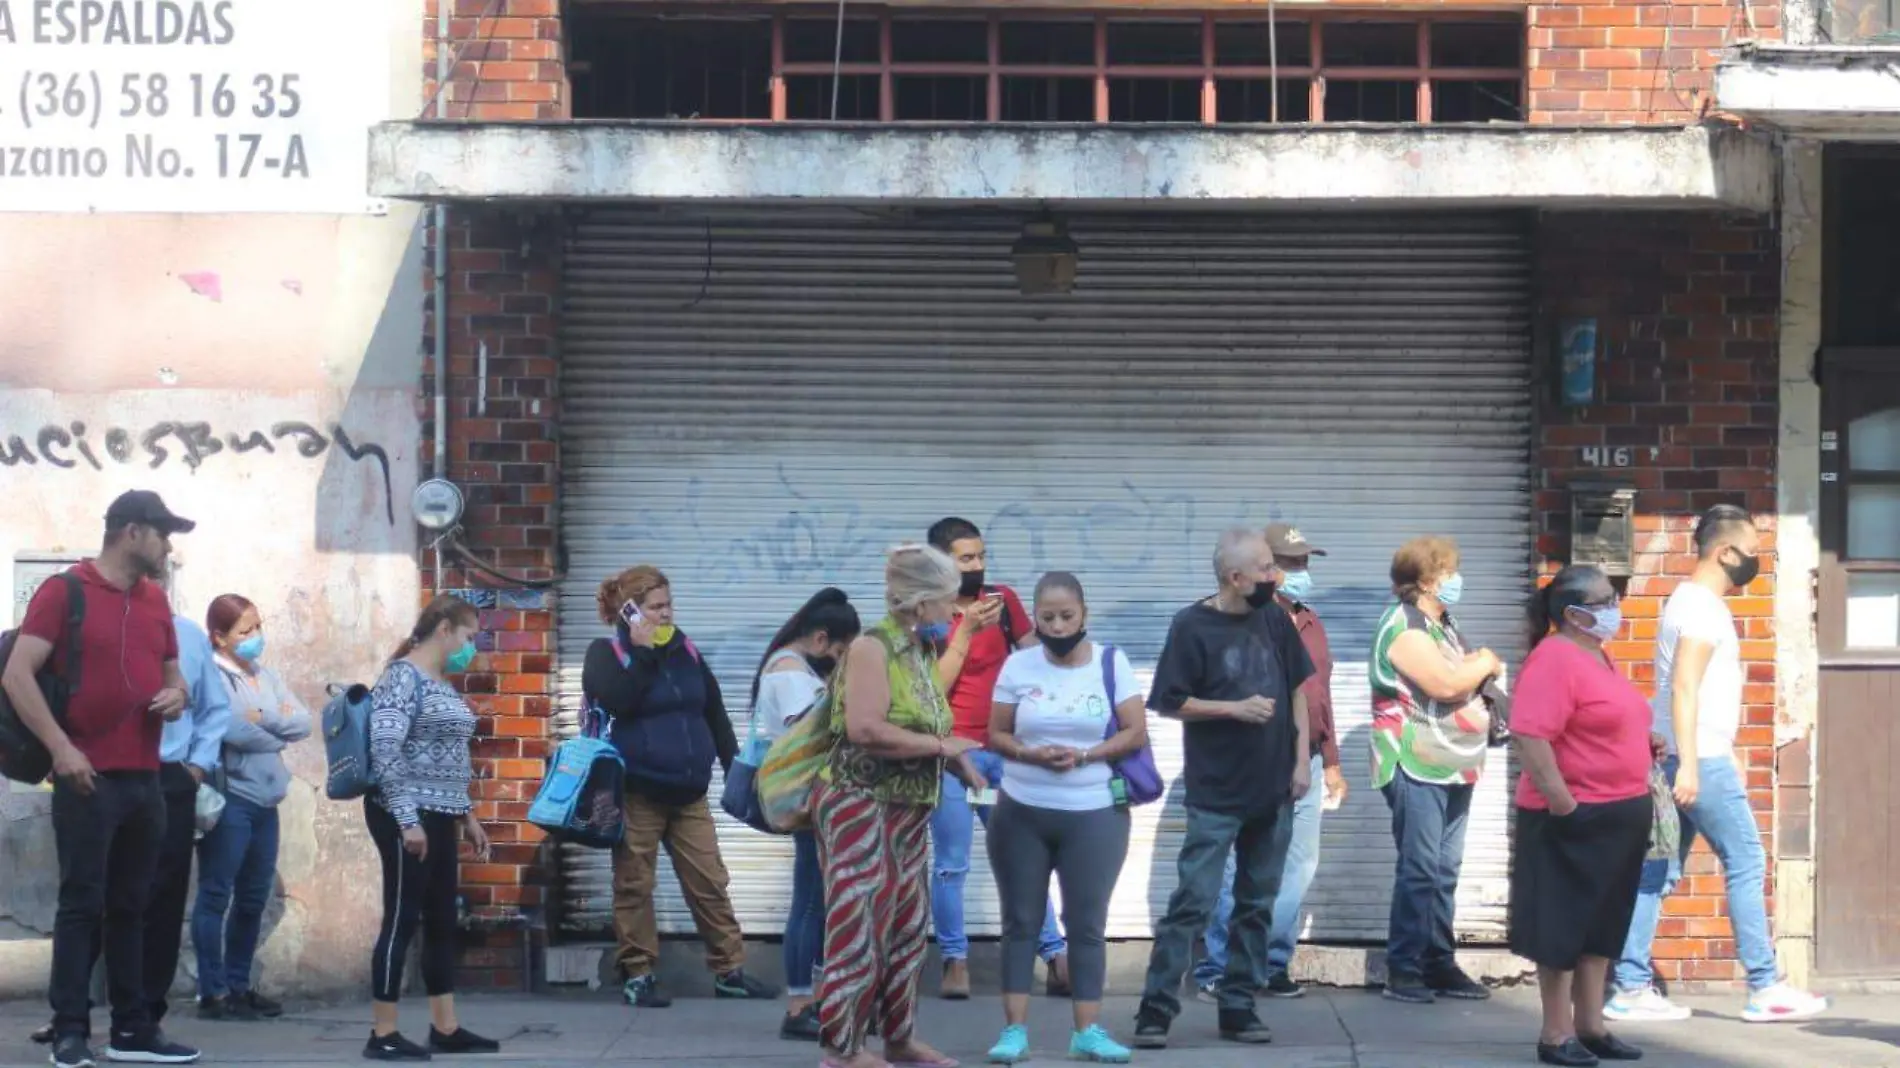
(419, 734)
(892, 743)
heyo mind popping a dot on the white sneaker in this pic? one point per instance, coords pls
(1643, 1006)
(1781, 1003)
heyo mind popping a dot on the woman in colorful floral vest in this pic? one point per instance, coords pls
(1430, 730)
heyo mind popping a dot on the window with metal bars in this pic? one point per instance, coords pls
(923, 65)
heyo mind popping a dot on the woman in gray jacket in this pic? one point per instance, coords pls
(237, 859)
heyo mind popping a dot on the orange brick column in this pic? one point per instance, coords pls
(1686, 308)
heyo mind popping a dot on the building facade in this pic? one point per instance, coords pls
(1494, 272)
(750, 294)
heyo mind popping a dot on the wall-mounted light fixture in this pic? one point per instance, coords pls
(1045, 258)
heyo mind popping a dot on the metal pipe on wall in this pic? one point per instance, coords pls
(440, 305)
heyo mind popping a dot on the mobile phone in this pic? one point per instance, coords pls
(630, 615)
(983, 798)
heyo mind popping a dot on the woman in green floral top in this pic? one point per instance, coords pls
(1430, 730)
(873, 823)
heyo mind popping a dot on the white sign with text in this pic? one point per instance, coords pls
(190, 105)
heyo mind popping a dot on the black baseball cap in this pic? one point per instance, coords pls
(1285, 539)
(145, 508)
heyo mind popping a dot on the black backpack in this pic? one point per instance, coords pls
(23, 757)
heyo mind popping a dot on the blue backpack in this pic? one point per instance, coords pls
(579, 800)
(346, 742)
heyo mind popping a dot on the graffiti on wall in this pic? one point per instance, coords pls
(73, 447)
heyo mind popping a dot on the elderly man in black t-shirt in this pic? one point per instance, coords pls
(1231, 672)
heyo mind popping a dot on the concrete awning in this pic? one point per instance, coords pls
(1701, 167)
(1836, 92)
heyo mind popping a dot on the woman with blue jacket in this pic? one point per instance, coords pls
(237, 858)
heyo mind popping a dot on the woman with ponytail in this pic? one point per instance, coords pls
(1583, 812)
(419, 736)
(792, 677)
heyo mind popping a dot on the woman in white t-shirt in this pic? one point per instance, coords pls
(1057, 726)
(792, 678)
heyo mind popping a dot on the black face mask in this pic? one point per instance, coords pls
(1743, 573)
(1261, 596)
(1062, 646)
(823, 665)
(972, 584)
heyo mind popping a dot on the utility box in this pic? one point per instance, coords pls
(1603, 527)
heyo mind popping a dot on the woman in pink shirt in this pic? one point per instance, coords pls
(1583, 812)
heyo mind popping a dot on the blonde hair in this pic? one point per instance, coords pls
(633, 584)
(1422, 560)
(915, 575)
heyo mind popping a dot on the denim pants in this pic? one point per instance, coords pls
(1302, 863)
(237, 865)
(805, 921)
(952, 828)
(1428, 827)
(1722, 815)
(1211, 836)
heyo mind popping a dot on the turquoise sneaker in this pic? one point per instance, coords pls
(1095, 1045)
(1013, 1046)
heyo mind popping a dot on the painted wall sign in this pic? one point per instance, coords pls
(72, 447)
(188, 105)
(1577, 347)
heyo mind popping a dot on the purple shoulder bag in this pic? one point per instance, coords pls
(1136, 770)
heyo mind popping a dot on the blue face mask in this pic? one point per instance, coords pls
(1605, 622)
(1452, 590)
(460, 659)
(934, 633)
(1297, 585)
(250, 648)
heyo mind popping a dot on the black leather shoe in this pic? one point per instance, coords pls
(1608, 1047)
(1569, 1053)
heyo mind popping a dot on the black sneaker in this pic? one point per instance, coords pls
(1454, 983)
(737, 984)
(148, 1047)
(72, 1052)
(393, 1047)
(225, 1008)
(1408, 988)
(644, 993)
(1241, 1025)
(802, 1027)
(1151, 1028)
(461, 1040)
(44, 1036)
(259, 1005)
(1281, 985)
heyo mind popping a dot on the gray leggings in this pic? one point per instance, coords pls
(1085, 850)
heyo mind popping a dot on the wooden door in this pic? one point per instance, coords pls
(1858, 818)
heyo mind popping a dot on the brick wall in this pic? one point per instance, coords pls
(1617, 62)
(507, 56)
(502, 285)
(1686, 308)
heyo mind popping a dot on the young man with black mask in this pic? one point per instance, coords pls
(990, 625)
(108, 808)
(1231, 671)
(1698, 712)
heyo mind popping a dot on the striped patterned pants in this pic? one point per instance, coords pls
(876, 863)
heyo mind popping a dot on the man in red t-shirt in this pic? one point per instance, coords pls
(991, 624)
(108, 811)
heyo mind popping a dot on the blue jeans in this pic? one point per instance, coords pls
(1260, 843)
(1722, 815)
(952, 827)
(805, 922)
(1302, 863)
(1428, 827)
(237, 863)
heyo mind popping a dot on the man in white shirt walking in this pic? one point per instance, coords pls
(1698, 711)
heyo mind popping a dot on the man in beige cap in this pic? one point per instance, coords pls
(1291, 555)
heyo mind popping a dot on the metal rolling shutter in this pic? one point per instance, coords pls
(762, 401)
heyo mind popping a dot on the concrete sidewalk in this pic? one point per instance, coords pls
(1326, 1029)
